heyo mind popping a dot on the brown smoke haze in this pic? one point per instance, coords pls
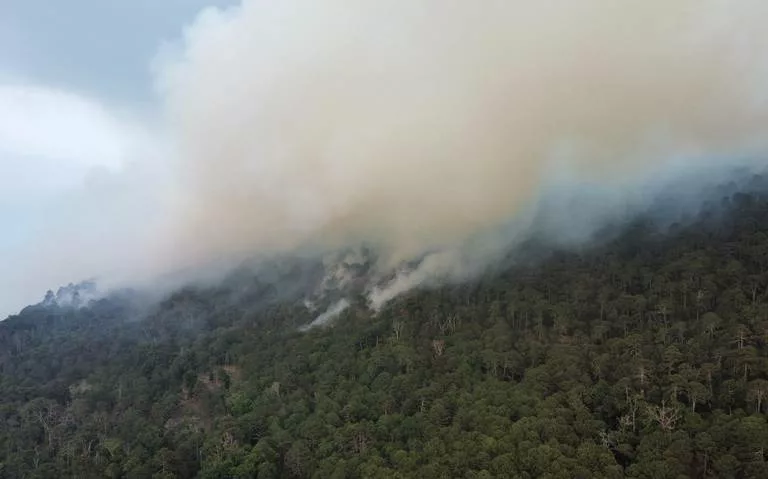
(411, 124)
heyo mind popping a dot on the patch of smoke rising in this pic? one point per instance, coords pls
(329, 315)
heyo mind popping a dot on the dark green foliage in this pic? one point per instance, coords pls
(644, 357)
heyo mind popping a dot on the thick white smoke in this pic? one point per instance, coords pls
(413, 124)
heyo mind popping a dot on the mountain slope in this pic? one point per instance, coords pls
(643, 356)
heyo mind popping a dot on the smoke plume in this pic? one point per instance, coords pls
(413, 125)
(432, 127)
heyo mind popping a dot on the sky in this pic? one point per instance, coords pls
(76, 97)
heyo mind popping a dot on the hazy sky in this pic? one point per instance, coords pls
(76, 94)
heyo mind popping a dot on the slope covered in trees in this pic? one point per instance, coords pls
(642, 357)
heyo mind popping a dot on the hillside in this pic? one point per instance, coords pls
(641, 356)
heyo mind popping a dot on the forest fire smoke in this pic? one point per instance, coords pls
(414, 124)
(418, 126)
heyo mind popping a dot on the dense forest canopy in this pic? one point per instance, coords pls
(643, 355)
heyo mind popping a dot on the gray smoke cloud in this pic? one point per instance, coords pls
(414, 126)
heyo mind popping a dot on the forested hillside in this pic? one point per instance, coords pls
(643, 356)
